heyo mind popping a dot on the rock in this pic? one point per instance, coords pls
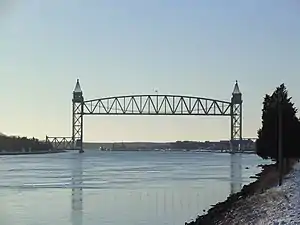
(224, 209)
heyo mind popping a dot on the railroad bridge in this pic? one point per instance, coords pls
(168, 105)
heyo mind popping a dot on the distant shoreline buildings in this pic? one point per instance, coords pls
(246, 145)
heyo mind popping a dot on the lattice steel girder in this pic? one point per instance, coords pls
(77, 126)
(156, 105)
(60, 142)
(236, 122)
(236, 127)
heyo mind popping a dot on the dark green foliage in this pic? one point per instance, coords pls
(267, 143)
(17, 144)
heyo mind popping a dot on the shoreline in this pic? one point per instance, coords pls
(32, 153)
(266, 179)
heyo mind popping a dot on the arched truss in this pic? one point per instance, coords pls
(156, 105)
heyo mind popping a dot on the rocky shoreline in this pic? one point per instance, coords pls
(266, 179)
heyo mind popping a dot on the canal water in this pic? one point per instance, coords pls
(112, 188)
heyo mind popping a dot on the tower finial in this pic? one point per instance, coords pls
(77, 88)
(236, 89)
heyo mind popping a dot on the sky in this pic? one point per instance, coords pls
(117, 47)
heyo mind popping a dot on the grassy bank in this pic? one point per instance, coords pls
(265, 180)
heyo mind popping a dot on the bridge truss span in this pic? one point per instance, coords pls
(152, 105)
(156, 105)
(60, 143)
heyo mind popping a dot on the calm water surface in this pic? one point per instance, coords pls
(112, 188)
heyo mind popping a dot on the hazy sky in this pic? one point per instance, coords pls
(134, 47)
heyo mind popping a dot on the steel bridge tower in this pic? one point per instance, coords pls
(236, 118)
(77, 117)
(236, 139)
(159, 105)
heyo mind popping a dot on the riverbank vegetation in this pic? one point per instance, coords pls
(21, 144)
(278, 113)
(279, 118)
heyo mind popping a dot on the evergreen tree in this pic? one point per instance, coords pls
(267, 143)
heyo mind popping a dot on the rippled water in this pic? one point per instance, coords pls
(111, 188)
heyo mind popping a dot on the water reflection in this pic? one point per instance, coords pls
(235, 172)
(129, 188)
(77, 200)
(170, 206)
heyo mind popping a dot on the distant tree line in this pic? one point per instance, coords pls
(277, 105)
(185, 145)
(16, 144)
(220, 145)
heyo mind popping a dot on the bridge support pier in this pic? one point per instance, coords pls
(77, 118)
(236, 139)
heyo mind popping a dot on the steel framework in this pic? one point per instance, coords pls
(236, 139)
(77, 118)
(236, 119)
(156, 105)
(60, 142)
(153, 105)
